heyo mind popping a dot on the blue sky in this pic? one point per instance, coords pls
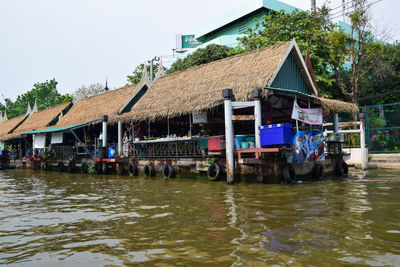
(84, 41)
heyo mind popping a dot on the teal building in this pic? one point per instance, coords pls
(226, 29)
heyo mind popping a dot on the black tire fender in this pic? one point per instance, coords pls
(84, 167)
(214, 172)
(342, 169)
(98, 168)
(149, 170)
(71, 165)
(60, 166)
(133, 169)
(318, 171)
(168, 171)
(289, 174)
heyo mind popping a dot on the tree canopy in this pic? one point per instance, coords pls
(88, 91)
(45, 93)
(208, 54)
(347, 65)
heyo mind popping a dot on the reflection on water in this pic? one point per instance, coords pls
(48, 218)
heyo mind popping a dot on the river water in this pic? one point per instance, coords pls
(53, 219)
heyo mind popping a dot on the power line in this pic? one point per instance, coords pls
(349, 11)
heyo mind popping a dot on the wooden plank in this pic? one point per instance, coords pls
(250, 161)
(243, 117)
(237, 104)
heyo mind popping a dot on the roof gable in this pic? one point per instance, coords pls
(92, 108)
(292, 72)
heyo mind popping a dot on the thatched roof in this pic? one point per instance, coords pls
(337, 105)
(39, 120)
(199, 88)
(8, 126)
(92, 108)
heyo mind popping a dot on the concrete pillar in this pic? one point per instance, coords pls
(256, 93)
(362, 143)
(105, 119)
(336, 123)
(227, 94)
(119, 137)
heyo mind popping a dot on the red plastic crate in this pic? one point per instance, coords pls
(216, 143)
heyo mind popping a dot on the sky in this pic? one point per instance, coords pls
(80, 42)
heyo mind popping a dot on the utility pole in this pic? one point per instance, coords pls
(313, 6)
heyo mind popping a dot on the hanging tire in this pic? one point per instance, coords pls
(318, 172)
(60, 166)
(289, 175)
(214, 172)
(168, 171)
(98, 168)
(149, 170)
(133, 169)
(46, 166)
(342, 169)
(84, 167)
(71, 165)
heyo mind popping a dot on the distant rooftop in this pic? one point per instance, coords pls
(242, 11)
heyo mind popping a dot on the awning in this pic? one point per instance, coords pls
(57, 129)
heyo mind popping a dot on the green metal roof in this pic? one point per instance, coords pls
(57, 129)
(242, 11)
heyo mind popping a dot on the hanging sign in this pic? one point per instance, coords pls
(39, 141)
(307, 115)
(57, 138)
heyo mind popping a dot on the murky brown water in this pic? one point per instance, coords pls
(47, 218)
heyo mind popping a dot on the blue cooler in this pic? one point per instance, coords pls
(276, 134)
(111, 152)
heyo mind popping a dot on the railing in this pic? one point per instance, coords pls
(383, 128)
(168, 149)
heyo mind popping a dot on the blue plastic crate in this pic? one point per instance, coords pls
(276, 134)
(3, 153)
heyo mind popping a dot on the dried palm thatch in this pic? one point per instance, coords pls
(92, 108)
(8, 126)
(38, 120)
(199, 88)
(337, 105)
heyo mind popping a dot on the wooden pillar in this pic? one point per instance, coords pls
(256, 93)
(119, 138)
(227, 94)
(362, 143)
(105, 119)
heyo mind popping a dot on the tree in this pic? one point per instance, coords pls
(338, 58)
(351, 48)
(88, 91)
(44, 93)
(208, 54)
(380, 74)
(137, 73)
(310, 30)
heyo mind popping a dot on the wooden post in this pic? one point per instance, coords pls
(362, 143)
(119, 137)
(256, 93)
(105, 119)
(227, 94)
(336, 123)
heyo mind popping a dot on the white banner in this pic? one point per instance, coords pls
(307, 115)
(57, 138)
(39, 141)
